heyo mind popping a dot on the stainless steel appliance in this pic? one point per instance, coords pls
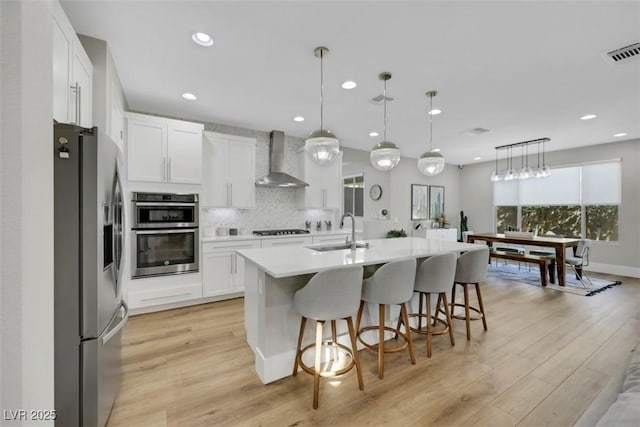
(283, 232)
(165, 234)
(89, 309)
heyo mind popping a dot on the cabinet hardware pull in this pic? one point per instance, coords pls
(230, 195)
(169, 170)
(79, 108)
(163, 169)
(75, 103)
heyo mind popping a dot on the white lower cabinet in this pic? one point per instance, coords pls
(151, 292)
(222, 268)
(450, 234)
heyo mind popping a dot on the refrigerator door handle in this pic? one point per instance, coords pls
(124, 311)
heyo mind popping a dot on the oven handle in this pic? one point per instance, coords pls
(164, 231)
(162, 204)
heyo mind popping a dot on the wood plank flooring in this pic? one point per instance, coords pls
(546, 356)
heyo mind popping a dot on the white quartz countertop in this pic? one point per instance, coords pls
(241, 237)
(295, 260)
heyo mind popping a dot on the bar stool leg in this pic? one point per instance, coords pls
(467, 316)
(303, 323)
(316, 374)
(448, 316)
(429, 326)
(420, 310)
(437, 312)
(453, 298)
(359, 316)
(405, 316)
(484, 318)
(381, 342)
(354, 347)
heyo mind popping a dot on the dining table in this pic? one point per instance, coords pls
(559, 244)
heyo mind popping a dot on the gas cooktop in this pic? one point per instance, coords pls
(283, 232)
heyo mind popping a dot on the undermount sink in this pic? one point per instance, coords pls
(337, 247)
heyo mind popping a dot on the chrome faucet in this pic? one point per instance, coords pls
(353, 229)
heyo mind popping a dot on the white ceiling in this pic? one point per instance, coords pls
(524, 70)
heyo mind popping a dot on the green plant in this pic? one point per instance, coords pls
(396, 233)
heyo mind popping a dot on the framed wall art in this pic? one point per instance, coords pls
(419, 202)
(436, 201)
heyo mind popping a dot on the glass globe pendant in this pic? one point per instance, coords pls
(431, 163)
(385, 155)
(322, 145)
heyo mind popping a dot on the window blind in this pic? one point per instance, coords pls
(601, 183)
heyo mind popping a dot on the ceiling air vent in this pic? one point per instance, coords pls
(378, 99)
(476, 131)
(625, 53)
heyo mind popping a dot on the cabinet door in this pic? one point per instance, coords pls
(215, 185)
(61, 74)
(184, 153)
(332, 179)
(116, 118)
(145, 150)
(242, 174)
(218, 273)
(82, 80)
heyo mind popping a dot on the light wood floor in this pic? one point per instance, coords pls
(545, 357)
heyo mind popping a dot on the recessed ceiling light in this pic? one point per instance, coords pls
(588, 117)
(189, 96)
(477, 158)
(435, 112)
(437, 150)
(203, 39)
(349, 84)
(298, 119)
(373, 134)
(620, 134)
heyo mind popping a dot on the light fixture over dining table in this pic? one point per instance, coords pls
(526, 172)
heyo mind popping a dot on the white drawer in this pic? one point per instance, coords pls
(287, 241)
(210, 247)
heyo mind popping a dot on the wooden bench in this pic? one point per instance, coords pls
(545, 263)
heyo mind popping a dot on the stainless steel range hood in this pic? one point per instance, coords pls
(277, 177)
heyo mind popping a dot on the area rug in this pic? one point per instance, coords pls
(531, 276)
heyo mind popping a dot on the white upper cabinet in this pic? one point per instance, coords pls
(325, 183)
(229, 164)
(72, 74)
(163, 150)
(108, 98)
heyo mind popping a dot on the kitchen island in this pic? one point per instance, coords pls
(273, 275)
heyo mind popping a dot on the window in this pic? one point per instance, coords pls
(353, 194)
(574, 201)
(560, 220)
(507, 218)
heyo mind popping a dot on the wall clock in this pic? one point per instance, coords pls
(375, 192)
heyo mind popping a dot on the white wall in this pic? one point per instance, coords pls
(396, 187)
(622, 257)
(26, 197)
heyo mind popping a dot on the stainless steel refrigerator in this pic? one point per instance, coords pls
(89, 309)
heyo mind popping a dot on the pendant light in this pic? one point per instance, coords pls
(495, 176)
(385, 155)
(526, 172)
(546, 170)
(510, 175)
(322, 145)
(431, 163)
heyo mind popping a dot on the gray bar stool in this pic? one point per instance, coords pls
(391, 284)
(471, 269)
(435, 276)
(329, 295)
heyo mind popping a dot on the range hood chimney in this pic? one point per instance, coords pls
(277, 177)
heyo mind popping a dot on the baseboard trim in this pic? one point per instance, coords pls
(181, 304)
(618, 270)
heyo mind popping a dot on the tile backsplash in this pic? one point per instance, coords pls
(275, 207)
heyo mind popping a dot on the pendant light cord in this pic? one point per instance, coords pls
(321, 90)
(384, 109)
(431, 124)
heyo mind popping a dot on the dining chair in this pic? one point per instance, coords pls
(579, 261)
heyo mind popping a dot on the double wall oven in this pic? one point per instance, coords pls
(165, 234)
